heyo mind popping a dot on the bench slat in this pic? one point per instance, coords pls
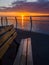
(4, 48)
(29, 54)
(6, 36)
(5, 29)
(17, 59)
(23, 56)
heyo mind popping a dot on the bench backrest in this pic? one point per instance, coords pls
(7, 36)
(5, 29)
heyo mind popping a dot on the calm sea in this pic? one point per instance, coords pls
(39, 24)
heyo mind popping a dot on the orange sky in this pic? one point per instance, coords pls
(22, 14)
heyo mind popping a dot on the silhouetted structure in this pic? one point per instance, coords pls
(31, 22)
(1, 21)
(6, 21)
(16, 21)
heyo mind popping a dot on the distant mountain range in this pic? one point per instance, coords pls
(28, 7)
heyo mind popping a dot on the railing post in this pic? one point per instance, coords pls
(2, 21)
(16, 21)
(31, 23)
(6, 21)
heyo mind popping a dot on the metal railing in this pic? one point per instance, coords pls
(4, 19)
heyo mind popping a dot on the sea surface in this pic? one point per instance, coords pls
(39, 24)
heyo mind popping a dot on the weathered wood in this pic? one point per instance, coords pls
(24, 56)
(21, 55)
(18, 57)
(5, 29)
(4, 48)
(29, 54)
(6, 36)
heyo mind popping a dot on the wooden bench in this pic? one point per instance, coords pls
(6, 40)
(5, 29)
(24, 55)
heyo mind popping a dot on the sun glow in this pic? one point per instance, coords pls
(23, 13)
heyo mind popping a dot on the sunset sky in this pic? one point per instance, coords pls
(34, 8)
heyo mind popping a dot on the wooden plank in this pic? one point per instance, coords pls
(18, 57)
(6, 36)
(23, 56)
(4, 48)
(29, 54)
(5, 29)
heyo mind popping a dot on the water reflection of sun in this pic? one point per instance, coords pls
(22, 20)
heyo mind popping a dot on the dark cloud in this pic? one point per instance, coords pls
(29, 7)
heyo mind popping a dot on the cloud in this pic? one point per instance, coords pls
(29, 7)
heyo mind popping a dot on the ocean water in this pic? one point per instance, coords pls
(39, 24)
